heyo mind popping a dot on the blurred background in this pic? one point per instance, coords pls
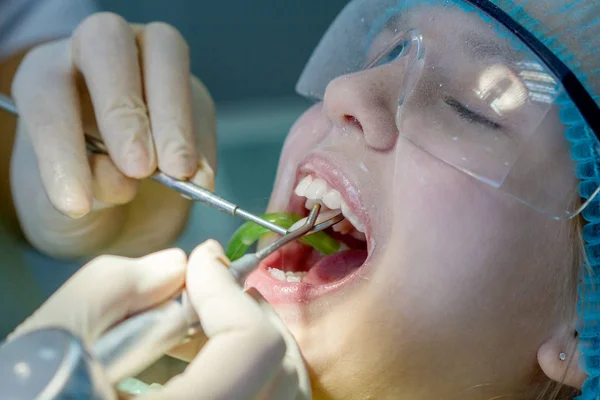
(249, 54)
(242, 50)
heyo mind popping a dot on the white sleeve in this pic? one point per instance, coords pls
(24, 23)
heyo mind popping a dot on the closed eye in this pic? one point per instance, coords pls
(471, 116)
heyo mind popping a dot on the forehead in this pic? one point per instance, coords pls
(471, 33)
(467, 49)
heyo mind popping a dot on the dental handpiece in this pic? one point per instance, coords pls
(52, 363)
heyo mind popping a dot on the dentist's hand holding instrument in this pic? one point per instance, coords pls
(130, 86)
(248, 352)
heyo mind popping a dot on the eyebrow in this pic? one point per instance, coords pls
(481, 47)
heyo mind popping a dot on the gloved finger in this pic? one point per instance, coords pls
(244, 349)
(205, 127)
(292, 380)
(188, 350)
(166, 70)
(46, 95)
(110, 186)
(107, 290)
(105, 51)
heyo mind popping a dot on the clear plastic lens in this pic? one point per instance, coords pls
(471, 94)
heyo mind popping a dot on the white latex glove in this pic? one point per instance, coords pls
(250, 353)
(130, 85)
(247, 354)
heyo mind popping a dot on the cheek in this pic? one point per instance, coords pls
(440, 209)
(458, 243)
(310, 129)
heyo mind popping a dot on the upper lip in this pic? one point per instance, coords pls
(326, 168)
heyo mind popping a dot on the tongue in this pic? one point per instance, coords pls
(335, 267)
(320, 270)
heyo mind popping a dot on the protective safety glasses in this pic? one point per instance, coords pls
(475, 90)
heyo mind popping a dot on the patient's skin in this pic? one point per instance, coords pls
(449, 303)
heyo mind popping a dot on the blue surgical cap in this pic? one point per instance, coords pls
(571, 29)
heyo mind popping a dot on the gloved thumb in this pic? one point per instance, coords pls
(292, 380)
(244, 350)
(107, 290)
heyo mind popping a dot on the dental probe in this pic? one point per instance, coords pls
(187, 189)
(196, 193)
(190, 190)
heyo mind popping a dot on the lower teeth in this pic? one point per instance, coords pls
(289, 276)
(358, 235)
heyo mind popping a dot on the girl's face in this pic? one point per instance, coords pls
(450, 286)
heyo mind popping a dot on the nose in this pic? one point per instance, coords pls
(366, 101)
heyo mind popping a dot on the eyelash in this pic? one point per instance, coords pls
(471, 116)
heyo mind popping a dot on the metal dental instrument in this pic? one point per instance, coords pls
(8, 105)
(185, 188)
(242, 267)
(196, 193)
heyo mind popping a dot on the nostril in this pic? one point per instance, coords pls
(349, 119)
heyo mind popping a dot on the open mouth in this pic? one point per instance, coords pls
(300, 270)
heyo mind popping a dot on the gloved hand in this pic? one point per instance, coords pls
(247, 354)
(130, 85)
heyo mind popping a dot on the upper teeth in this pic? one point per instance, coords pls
(317, 190)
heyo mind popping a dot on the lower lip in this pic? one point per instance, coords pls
(277, 292)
